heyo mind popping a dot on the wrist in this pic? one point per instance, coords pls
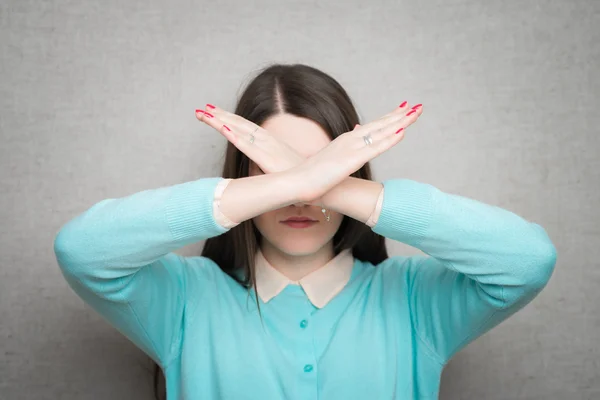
(294, 182)
(327, 200)
(301, 181)
(354, 197)
(331, 199)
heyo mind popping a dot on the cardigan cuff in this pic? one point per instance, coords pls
(219, 216)
(372, 221)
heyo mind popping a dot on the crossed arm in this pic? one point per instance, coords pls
(323, 179)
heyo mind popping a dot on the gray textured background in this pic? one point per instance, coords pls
(97, 100)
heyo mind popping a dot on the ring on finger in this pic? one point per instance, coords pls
(252, 135)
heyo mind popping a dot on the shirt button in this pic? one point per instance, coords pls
(303, 323)
(308, 368)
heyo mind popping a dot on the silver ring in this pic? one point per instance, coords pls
(368, 139)
(252, 135)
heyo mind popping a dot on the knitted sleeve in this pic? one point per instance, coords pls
(118, 257)
(484, 263)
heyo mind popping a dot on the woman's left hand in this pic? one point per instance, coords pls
(268, 152)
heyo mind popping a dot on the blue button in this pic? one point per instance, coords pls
(308, 368)
(303, 323)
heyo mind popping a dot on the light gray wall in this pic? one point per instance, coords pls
(97, 100)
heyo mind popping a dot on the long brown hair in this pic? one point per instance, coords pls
(305, 92)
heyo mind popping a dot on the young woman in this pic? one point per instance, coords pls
(294, 295)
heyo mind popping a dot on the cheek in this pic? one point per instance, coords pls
(335, 222)
(265, 221)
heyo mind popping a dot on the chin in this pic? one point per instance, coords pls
(298, 247)
(294, 242)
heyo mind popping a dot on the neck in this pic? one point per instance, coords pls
(295, 267)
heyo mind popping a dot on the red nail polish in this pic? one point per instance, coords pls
(200, 111)
(226, 127)
(210, 105)
(413, 111)
(403, 104)
(399, 130)
(415, 107)
(208, 114)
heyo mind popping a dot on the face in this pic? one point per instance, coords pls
(307, 138)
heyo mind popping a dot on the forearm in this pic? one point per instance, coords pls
(354, 197)
(245, 198)
(463, 232)
(507, 255)
(120, 235)
(129, 232)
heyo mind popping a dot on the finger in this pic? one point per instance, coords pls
(387, 136)
(394, 133)
(209, 119)
(216, 123)
(383, 127)
(230, 118)
(386, 143)
(240, 127)
(402, 108)
(240, 139)
(398, 126)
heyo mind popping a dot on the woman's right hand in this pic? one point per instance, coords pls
(349, 152)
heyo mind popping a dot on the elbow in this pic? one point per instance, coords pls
(542, 263)
(61, 247)
(65, 245)
(533, 268)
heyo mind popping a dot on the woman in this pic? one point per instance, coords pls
(294, 295)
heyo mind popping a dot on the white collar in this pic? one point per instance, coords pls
(320, 285)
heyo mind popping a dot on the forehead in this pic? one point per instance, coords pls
(305, 136)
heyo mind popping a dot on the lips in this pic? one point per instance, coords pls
(299, 222)
(299, 219)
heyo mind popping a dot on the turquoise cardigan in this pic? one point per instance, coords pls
(387, 335)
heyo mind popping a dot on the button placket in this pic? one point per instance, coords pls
(309, 366)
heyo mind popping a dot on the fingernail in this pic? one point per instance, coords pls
(413, 111)
(415, 107)
(208, 114)
(199, 111)
(210, 105)
(403, 104)
(226, 127)
(399, 130)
